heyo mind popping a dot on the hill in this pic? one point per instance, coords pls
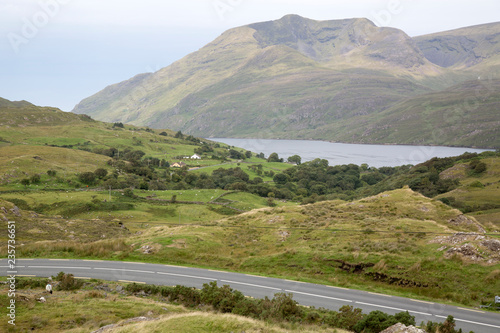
(299, 78)
(464, 115)
(462, 48)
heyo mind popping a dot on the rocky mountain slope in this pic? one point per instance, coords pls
(299, 78)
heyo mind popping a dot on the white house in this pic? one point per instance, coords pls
(195, 157)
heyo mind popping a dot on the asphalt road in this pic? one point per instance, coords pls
(256, 286)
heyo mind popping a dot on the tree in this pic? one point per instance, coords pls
(119, 125)
(236, 154)
(295, 159)
(25, 182)
(248, 154)
(100, 173)
(281, 178)
(274, 158)
(35, 179)
(163, 134)
(87, 177)
(179, 135)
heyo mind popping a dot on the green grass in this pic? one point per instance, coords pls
(79, 311)
(482, 201)
(394, 232)
(88, 309)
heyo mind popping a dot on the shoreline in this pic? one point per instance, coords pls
(363, 143)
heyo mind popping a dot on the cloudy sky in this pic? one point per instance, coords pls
(57, 52)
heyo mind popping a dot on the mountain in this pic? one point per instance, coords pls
(463, 115)
(462, 48)
(292, 78)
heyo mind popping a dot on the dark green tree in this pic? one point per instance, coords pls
(274, 158)
(295, 159)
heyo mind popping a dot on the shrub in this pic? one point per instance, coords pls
(100, 173)
(67, 282)
(377, 321)
(51, 173)
(87, 178)
(128, 192)
(223, 299)
(35, 179)
(346, 318)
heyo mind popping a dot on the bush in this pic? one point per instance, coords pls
(51, 173)
(223, 299)
(100, 173)
(25, 182)
(346, 318)
(377, 321)
(129, 193)
(35, 179)
(87, 178)
(67, 282)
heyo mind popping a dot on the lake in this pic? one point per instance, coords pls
(344, 153)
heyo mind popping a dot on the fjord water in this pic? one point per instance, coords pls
(343, 153)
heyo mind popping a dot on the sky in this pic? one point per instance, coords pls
(57, 52)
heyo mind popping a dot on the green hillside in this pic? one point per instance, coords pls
(298, 78)
(463, 115)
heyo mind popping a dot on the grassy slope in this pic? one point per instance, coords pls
(292, 242)
(477, 190)
(41, 126)
(463, 115)
(87, 310)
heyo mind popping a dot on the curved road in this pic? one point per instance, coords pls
(257, 286)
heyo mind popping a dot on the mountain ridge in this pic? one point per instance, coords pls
(293, 74)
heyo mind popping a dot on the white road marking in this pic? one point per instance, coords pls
(262, 277)
(470, 322)
(133, 262)
(59, 267)
(338, 287)
(391, 308)
(379, 294)
(321, 296)
(139, 282)
(471, 310)
(188, 276)
(250, 284)
(213, 270)
(416, 300)
(124, 270)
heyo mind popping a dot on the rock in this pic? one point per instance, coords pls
(41, 299)
(467, 251)
(119, 288)
(4, 210)
(401, 328)
(147, 249)
(492, 245)
(15, 211)
(462, 220)
(103, 287)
